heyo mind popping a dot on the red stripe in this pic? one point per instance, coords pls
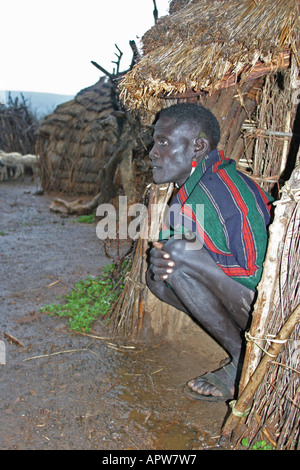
(182, 195)
(216, 166)
(234, 271)
(247, 235)
(221, 153)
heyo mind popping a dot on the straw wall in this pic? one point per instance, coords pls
(268, 404)
(275, 415)
(271, 138)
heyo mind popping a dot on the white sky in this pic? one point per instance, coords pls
(48, 46)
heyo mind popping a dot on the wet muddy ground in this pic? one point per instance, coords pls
(65, 391)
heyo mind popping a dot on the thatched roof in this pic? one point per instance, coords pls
(77, 139)
(210, 44)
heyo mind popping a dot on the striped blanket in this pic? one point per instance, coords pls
(228, 212)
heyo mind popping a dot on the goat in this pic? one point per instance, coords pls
(12, 162)
(14, 165)
(31, 162)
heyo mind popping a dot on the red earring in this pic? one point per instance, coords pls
(194, 164)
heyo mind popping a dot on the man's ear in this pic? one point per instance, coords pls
(202, 146)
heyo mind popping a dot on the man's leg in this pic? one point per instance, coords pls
(199, 287)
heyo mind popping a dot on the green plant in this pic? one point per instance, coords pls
(258, 445)
(91, 297)
(86, 219)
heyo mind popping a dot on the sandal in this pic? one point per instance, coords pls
(219, 382)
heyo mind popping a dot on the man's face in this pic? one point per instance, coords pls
(172, 153)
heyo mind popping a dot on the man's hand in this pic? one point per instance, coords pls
(161, 264)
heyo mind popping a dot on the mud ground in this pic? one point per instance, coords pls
(66, 391)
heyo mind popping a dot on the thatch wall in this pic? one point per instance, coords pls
(270, 139)
(268, 404)
(276, 411)
(77, 140)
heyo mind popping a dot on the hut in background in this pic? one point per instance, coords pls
(240, 59)
(87, 147)
(70, 141)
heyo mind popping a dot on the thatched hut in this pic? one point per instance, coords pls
(241, 60)
(71, 142)
(83, 143)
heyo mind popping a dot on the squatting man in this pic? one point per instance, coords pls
(214, 282)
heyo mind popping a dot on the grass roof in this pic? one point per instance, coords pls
(210, 44)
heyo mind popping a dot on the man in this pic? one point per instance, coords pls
(212, 277)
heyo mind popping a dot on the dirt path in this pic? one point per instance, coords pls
(84, 393)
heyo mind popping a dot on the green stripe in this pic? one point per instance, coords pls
(255, 221)
(212, 223)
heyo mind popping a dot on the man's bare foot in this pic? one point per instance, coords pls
(214, 386)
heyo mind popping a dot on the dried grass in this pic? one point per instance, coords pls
(18, 127)
(208, 45)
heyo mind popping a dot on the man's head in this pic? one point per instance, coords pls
(182, 133)
(195, 116)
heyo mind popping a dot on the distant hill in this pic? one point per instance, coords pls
(40, 104)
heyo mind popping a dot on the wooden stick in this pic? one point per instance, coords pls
(155, 12)
(13, 339)
(244, 402)
(267, 285)
(67, 351)
(102, 69)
